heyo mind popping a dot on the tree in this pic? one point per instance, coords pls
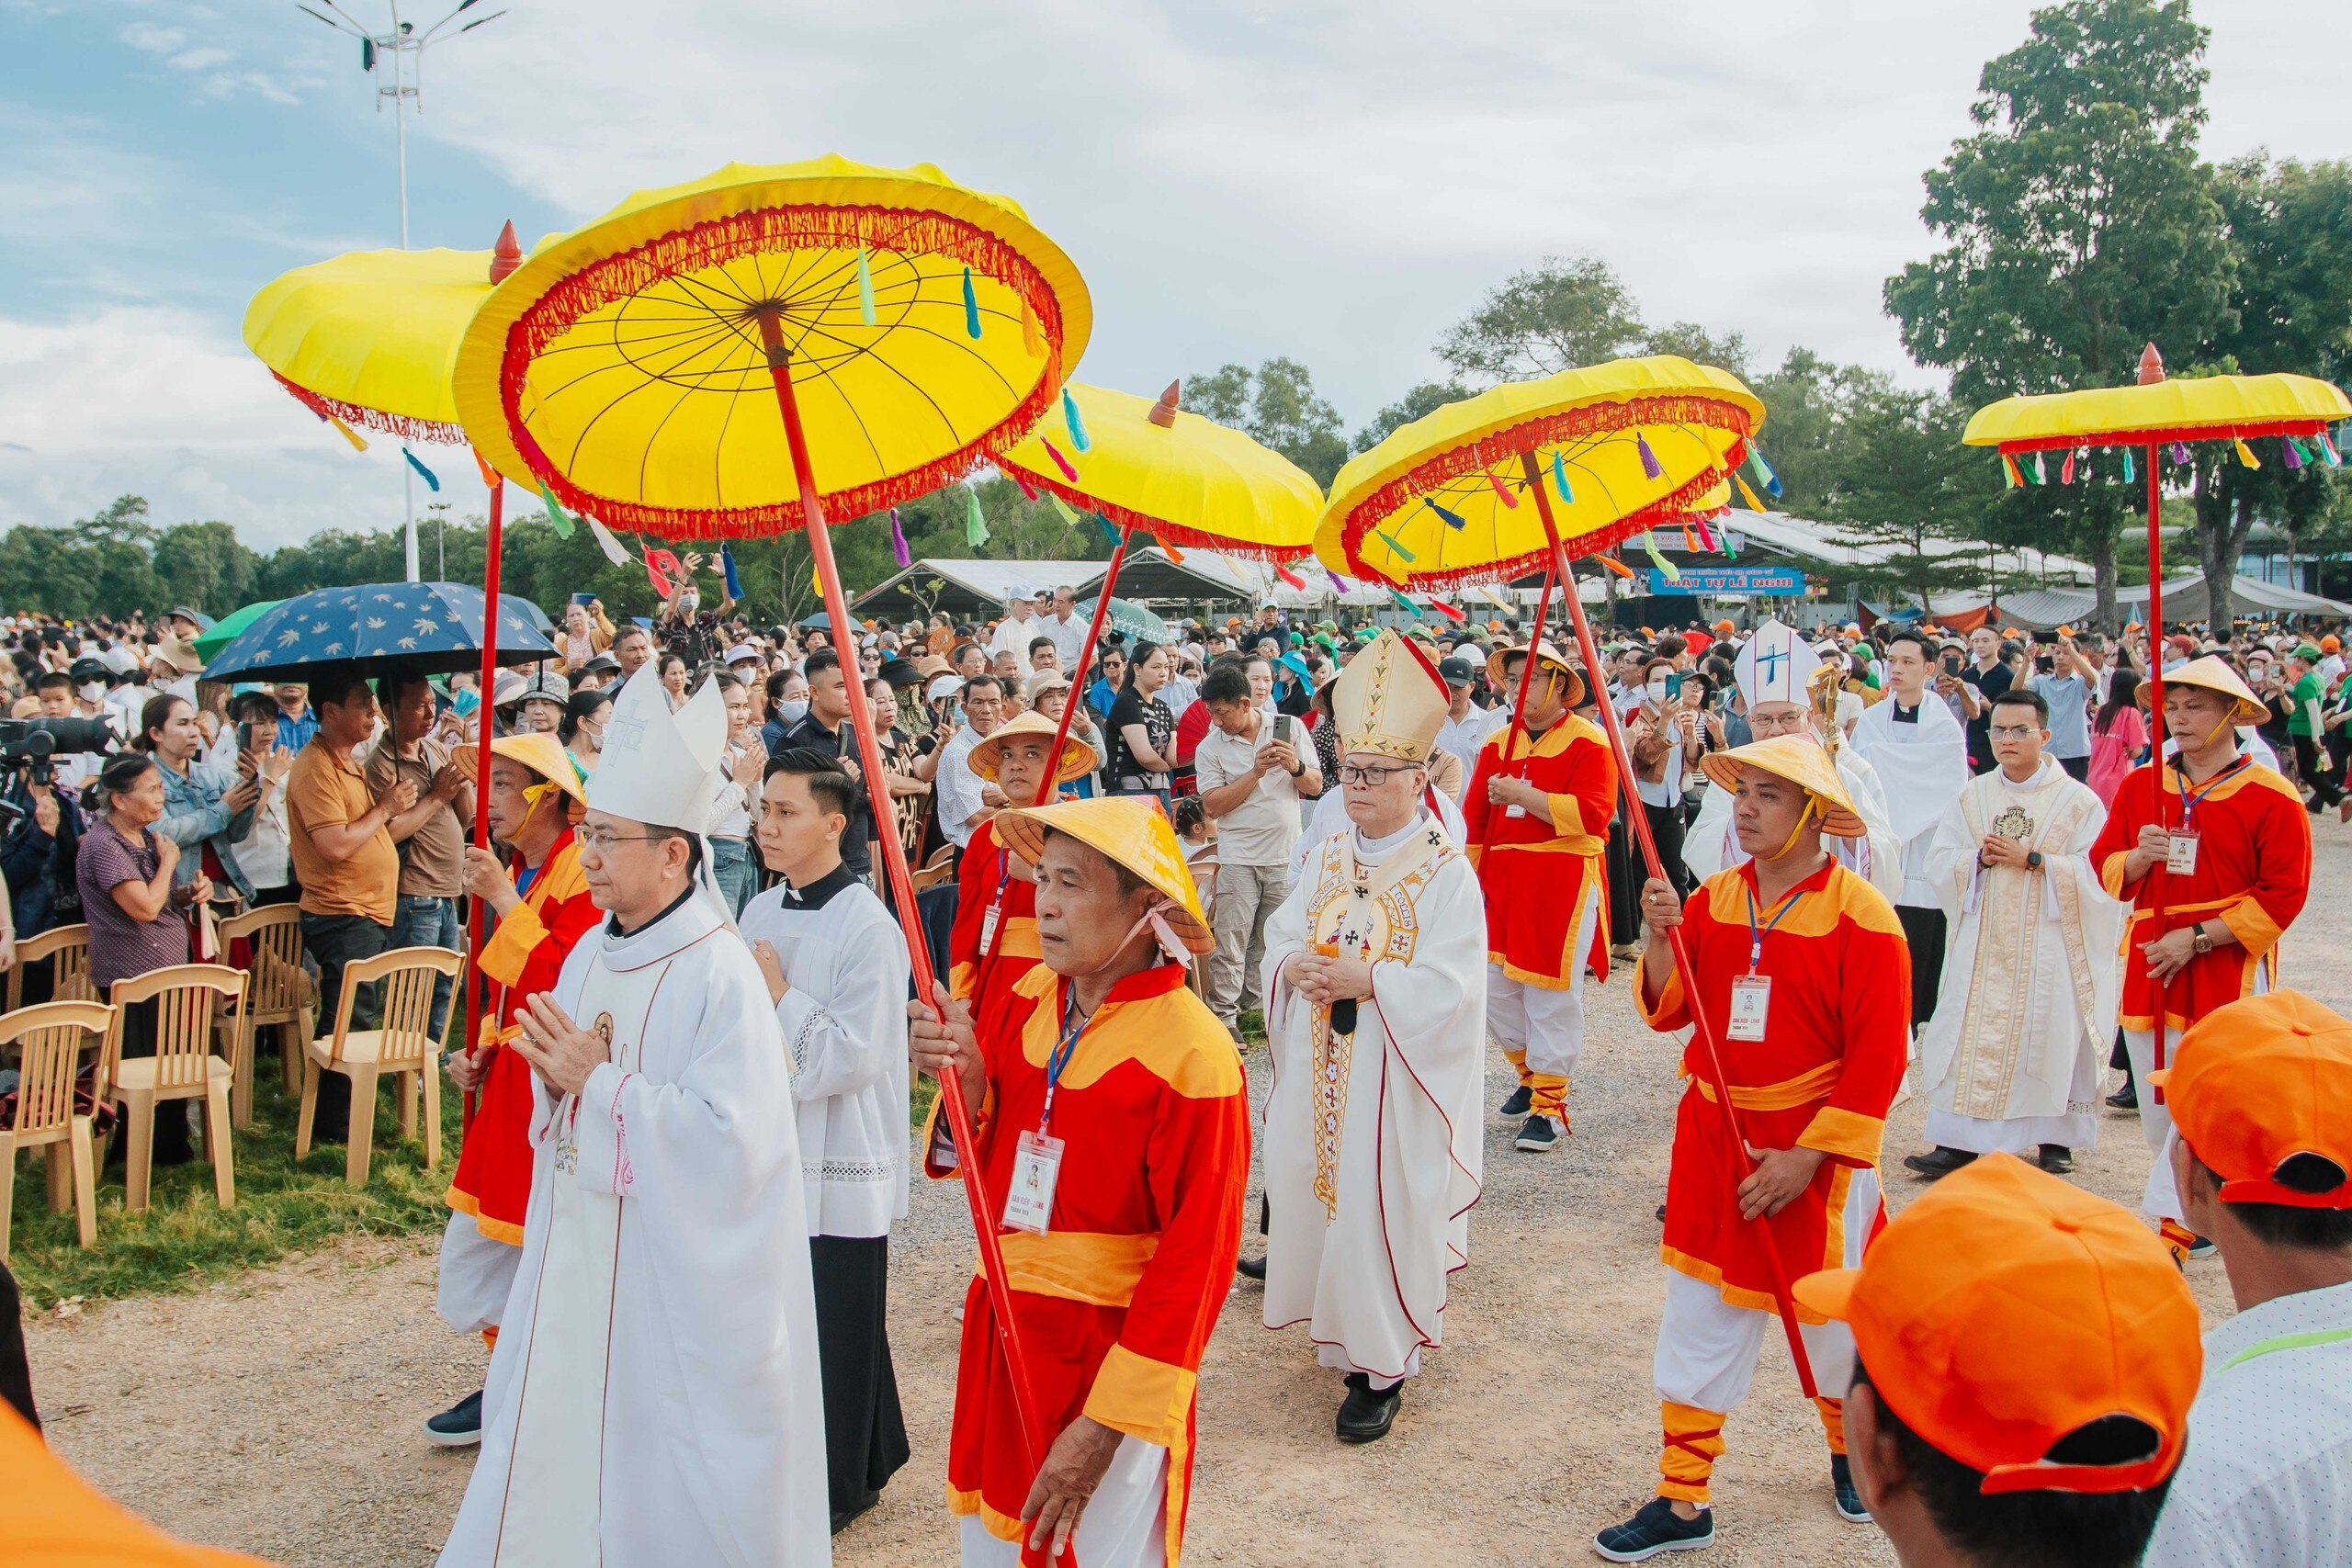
(1276, 405)
(2077, 223)
(1902, 478)
(1423, 400)
(1550, 318)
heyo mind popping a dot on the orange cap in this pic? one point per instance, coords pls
(2004, 1310)
(2262, 1091)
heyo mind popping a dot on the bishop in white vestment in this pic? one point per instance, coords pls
(2011, 1059)
(1375, 980)
(654, 1398)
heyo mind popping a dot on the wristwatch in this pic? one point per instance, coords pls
(2202, 942)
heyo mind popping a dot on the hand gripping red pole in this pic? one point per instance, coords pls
(1702, 1028)
(1033, 1437)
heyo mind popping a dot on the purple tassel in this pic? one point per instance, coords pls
(2180, 452)
(1650, 464)
(2294, 452)
(1337, 586)
(899, 551)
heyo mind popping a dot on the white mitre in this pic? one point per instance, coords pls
(1775, 667)
(661, 767)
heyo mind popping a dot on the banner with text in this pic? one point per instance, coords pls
(1763, 580)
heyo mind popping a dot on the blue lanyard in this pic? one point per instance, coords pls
(1063, 1049)
(2189, 801)
(1755, 937)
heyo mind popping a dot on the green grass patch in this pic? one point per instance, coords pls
(186, 1240)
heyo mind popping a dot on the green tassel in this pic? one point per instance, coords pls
(971, 306)
(1402, 553)
(1069, 517)
(2130, 472)
(1666, 568)
(976, 526)
(865, 289)
(1404, 604)
(2040, 471)
(555, 513)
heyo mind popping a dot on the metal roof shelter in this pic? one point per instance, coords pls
(971, 589)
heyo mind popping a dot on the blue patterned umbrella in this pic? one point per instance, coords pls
(426, 627)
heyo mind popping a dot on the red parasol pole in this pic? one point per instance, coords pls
(1034, 1438)
(1519, 701)
(481, 712)
(1702, 1028)
(2156, 711)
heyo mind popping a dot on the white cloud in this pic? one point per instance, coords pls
(153, 38)
(201, 59)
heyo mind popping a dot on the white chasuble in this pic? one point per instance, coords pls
(1374, 1135)
(2027, 1002)
(654, 1396)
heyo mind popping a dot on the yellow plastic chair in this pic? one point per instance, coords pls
(403, 1044)
(194, 1003)
(51, 1038)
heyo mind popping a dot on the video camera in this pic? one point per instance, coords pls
(29, 744)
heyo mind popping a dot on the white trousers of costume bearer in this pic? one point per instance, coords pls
(1707, 1347)
(1547, 1024)
(1124, 1524)
(2161, 1201)
(477, 1275)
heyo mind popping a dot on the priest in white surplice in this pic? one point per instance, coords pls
(2011, 1059)
(1376, 985)
(654, 1396)
(1921, 754)
(1783, 684)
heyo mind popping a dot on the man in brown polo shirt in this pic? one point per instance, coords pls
(430, 835)
(344, 859)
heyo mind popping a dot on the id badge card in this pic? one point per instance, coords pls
(1036, 1167)
(1751, 1000)
(987, 929)
(2180, 852)
(1515, 811)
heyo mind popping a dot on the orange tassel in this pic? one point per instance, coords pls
(1620, 568)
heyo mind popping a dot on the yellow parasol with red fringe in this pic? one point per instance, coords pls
(772, 344)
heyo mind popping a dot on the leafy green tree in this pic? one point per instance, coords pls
(2076, 222)
(1901, 477)
(1550, 317)
(1277, 405)
(1420, 402)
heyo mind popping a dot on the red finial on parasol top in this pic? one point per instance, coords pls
(2152, 365)
(505, 256)
(1164, 413)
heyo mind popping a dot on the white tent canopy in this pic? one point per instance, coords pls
(971, 587)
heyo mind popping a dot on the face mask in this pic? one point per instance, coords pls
(92, 690)
(689, 602)
(1657, 690)
(792, 711)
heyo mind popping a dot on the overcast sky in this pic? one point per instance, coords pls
(1334, 182)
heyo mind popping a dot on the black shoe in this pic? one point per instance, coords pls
(1250, 1267)
(1366, 1416)
(1517, 1101)
(1655, 1529)
(1938, 1162)
(2057, 1159)
(460, 1427)
(1538, 1136)
(2127, 1097)
(1849, 1496)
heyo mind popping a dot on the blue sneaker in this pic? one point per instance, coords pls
(1516, 1103)
(1655, 1529)
(460, 1427)
(1849, 1496)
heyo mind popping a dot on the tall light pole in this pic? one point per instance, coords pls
(395, 58)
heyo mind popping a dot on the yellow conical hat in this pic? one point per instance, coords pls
(1133, 831)
(545, 756)
(1389, 700)
(1077, 756)
(1546, 657)
(1801, 759)
(2214, 675)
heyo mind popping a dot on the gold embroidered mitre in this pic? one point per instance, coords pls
(1389, 700)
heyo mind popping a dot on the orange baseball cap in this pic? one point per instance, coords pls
(2262, 1091)
(2006, 1309)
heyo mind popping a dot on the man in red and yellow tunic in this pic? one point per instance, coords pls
(1120, 1250)
(1538, 812)
(2224, 845)
(539, 901)
(995, 934)
(1799, 967)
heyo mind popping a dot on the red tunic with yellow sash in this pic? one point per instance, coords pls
(2254, 871)
(1537, 866)
(1116, 1302)
(984, 879)
(1836, 1030)
(522, 957)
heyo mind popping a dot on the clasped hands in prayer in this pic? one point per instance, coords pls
(1324, 979)
(558, 1050)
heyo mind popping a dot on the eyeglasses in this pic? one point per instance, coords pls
(598, 839)
(2014, 731)
(1350, 773)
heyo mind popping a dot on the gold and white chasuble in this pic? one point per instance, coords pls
(2031, 974)
(1374, 1134)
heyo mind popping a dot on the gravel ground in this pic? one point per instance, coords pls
(278, 1414)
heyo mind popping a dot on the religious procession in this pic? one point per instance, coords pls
(1002, 1059)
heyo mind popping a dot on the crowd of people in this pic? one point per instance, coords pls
(1891, 856)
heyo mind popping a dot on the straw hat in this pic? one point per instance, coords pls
(1134, 833)
(1546, 655)
(545, 756)
(2214, 676)
(178, 652)
(1801, 759)
(1077, 756)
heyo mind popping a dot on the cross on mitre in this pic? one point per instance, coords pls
(1775, 667)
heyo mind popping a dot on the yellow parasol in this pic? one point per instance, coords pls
(1530, 473)
(1182, 479)
(2155, 414)
(918, 329)
(746, 352)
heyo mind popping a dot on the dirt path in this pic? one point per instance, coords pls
(278, 1414)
